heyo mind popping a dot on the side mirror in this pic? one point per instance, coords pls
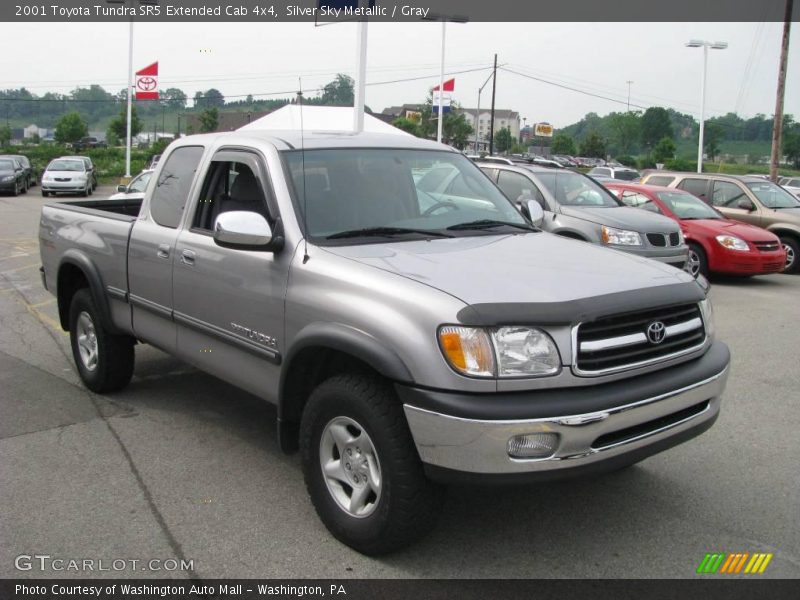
(122, 188)
(745, 204)
(242, 229)
(531, 209)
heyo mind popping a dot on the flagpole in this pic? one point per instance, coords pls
(441, 87)
(130, 93)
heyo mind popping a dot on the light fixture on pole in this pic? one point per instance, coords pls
(705, 46)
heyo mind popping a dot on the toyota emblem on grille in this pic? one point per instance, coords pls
(656, 332)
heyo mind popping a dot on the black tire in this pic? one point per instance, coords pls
(16, 189)
(700, 267)
(115, 356)
(85, 192)
(408, 505)
(792, 248)
(45, 194)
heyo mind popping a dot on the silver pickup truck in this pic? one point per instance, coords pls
(409, 338)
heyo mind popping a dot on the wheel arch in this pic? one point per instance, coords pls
(76, 271)
(320, 351)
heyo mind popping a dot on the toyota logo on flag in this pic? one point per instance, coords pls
(656, 332)
(147, 84)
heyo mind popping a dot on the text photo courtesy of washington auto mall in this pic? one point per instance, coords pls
(414, 299)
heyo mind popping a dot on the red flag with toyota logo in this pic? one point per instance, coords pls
(147, 83)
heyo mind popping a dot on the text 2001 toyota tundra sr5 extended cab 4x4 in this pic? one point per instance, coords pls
(407, 338)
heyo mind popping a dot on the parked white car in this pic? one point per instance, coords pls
(67, 175)
(791, 185)
(135, 189)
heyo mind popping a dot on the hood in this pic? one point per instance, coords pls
(70, 174)
(534, 267)
(623, 217)
(714, 227)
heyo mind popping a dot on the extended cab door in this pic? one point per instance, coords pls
(229, 302)
(152, 249)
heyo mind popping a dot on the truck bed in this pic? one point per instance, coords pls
(126, 209)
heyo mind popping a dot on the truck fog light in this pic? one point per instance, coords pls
(533, 445)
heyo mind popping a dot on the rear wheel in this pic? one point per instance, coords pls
(697, 263)
(792, 249)
(361, 467)
(104, 361)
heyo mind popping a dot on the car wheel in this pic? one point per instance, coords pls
(792, 249)
(361, 467)
(85, 191)
(697, 264)
(16, 190)
(105, 361)
(45, 194)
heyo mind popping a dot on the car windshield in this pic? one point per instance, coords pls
(686, 206)
(773, 196)
(375, 194)
(574, 189)
(626, 175)
(66, 165)
(6, 165)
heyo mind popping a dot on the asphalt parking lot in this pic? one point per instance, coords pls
(181, 465)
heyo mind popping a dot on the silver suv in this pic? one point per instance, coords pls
(577, 207)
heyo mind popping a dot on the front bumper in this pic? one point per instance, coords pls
(63, 186)
(748, 263)
(627, 421)
(675, 256)
(8, 186)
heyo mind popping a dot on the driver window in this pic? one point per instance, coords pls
(727, 194)
(515, 186)
(229, 186)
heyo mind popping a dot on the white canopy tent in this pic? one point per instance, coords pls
(318, 118)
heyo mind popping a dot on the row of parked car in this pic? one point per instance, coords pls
(17, 175)
(703, 223)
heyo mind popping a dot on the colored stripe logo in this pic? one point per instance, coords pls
(734, 563)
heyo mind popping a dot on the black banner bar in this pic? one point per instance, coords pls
(318, 11)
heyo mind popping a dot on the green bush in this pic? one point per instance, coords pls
(109, 162)
(645, 162)
(628, 161)
(680, 164)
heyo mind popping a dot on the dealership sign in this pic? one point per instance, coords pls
(543, 130)
(147, 83)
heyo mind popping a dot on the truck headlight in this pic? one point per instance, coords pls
(733, 243)
(708, 317)
(504, 352)
(468, 350)
(525, 351)
(620, 237)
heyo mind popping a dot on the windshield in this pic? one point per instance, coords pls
(626, 175)
(6, 165)
(574, 189)
(686, 206)
(66, 165)
(376, 193)
(773, 196)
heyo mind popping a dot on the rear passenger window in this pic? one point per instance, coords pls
(696, 187)
(664, 180)
(172, 188)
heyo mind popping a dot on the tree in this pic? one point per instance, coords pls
(406, 125)
(563, 144)
(791, 140)
(456, 130)
(209, 120)
(655, 125)
(70, 128)
(713, 135)
(174, 98)
(209, 99)
(593, 146)
(503, 140)
(664, 150)
(339, 92)
(118, 127)
(625, 131)
(5, 135)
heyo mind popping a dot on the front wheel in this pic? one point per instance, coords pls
(361, 467)
(697, 263)
(104, 361)
(792, 249)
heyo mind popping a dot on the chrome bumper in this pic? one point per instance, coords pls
(475, 446)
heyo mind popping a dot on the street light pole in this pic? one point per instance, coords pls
(705, 45)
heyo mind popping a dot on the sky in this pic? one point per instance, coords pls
(268, 58)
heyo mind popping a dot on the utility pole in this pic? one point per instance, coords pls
(629, 82)
(491, 117)
(777, 128)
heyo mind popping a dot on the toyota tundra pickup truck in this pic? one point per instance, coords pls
(408, 338)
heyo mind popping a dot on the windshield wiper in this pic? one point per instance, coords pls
(385, 231)
(489, 224)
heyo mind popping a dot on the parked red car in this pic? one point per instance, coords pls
(716, 244)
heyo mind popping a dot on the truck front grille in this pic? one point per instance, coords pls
(629, 340)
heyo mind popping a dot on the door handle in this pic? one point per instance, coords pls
(163, 251)
(187, 257)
